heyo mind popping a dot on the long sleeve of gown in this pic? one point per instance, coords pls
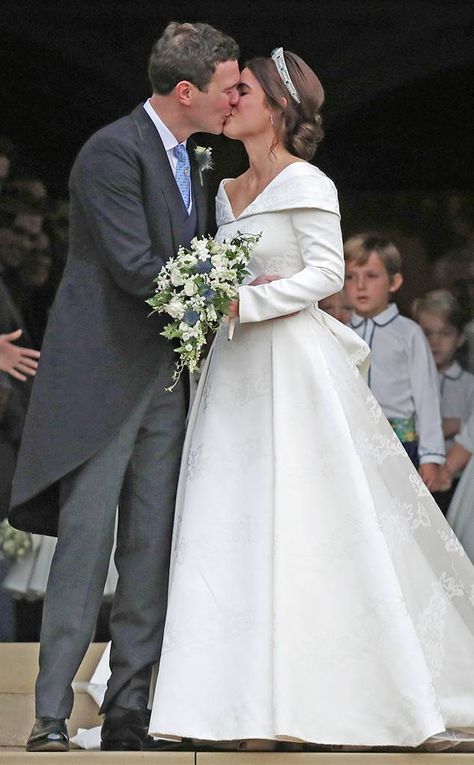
(319, 239)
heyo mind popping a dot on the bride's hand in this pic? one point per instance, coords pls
(233, 309)
(264, 280)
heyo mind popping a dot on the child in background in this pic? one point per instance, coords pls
(440, 317)
(461, 510)
(337, 305)
(402, 374)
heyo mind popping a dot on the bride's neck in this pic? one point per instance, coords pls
(265, 163)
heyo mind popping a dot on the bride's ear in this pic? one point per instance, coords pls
(283, 102)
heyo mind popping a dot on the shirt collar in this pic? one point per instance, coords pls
(453, 372)
(167, 137)
(382, 318)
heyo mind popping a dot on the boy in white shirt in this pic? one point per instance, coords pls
(440, 317)
(402, 374)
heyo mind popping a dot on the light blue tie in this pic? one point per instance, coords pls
(183, 173)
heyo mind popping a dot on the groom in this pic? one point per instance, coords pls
(101, 430)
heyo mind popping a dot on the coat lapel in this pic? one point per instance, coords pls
(155, 153)
(199, 189)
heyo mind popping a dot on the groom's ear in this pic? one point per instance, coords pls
(184, 91)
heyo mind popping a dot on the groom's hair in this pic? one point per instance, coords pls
(188, 52)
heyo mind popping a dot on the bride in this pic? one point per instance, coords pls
(316, 594)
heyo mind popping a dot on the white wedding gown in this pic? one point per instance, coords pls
(316, 591)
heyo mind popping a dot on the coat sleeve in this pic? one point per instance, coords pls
(106, 184)
(319, 239)
(425, 392)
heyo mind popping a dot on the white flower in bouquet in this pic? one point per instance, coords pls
(195, 289)
(190, 288)
(218, 261)
(201, 248)
(175, 308)
(176, 276)
(189, 259)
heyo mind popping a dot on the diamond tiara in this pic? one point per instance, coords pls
(279, 58)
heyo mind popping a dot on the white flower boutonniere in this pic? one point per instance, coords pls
(203, 156)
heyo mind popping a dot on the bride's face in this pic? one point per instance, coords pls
(251, 116)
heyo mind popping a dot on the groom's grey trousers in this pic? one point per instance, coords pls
(137, 471)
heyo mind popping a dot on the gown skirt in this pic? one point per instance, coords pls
(316, 591)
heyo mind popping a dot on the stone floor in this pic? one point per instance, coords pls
(19, 662)
(15, 756)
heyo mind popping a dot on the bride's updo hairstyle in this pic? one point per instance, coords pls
(301, 125)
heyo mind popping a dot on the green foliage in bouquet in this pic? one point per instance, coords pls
(195, 289)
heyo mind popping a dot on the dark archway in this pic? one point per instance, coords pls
(396, 77)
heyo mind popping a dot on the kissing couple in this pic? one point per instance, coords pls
(281, 564)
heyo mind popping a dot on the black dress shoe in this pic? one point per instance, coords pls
(48, 735)
(129, 733)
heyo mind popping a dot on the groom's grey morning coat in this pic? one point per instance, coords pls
(101, 348)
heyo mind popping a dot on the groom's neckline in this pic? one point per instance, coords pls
(277, 177)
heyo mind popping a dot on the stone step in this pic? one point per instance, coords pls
(77, 757)
(18, 670)
(17, 756)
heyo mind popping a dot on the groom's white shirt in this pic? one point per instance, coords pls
(168, 139)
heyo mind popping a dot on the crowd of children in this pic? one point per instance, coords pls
(424, 391)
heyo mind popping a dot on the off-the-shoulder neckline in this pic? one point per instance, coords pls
(272, 182)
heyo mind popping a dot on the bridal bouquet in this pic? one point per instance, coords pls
(195, 289)
(13, 543)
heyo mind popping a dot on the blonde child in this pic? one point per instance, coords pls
(439, 315)
(403, 374)
(461, 510)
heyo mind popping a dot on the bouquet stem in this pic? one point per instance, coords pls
(230, 329)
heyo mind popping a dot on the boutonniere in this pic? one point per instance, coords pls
(203, 156)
